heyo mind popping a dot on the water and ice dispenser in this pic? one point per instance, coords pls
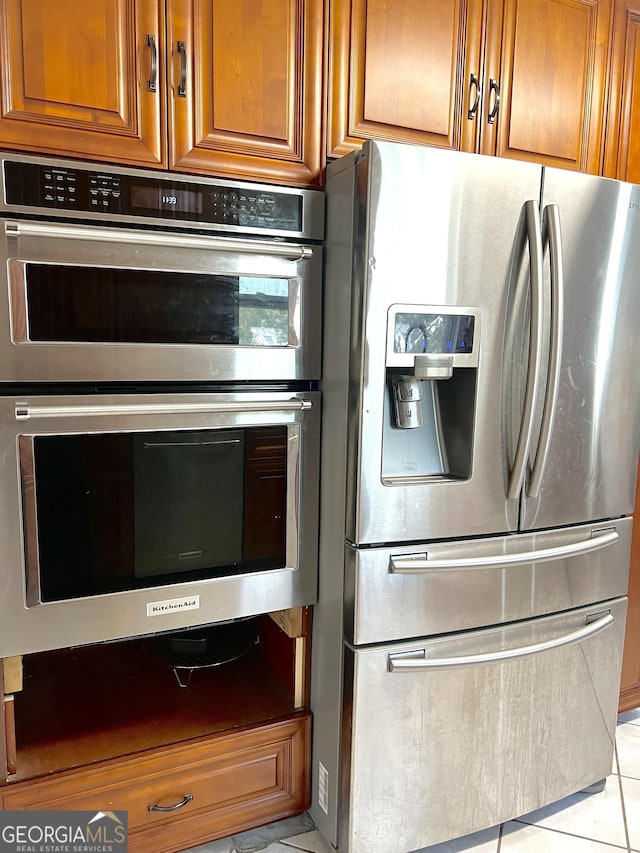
(431, 372)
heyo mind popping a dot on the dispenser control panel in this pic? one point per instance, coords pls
(432, 330)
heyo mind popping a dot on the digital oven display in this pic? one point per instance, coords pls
(102, 192)
(166, 198)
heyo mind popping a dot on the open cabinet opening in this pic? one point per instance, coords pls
(89, 704)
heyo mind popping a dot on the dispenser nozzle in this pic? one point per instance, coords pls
(407, 400)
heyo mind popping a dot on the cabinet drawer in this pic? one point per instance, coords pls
(223, 784)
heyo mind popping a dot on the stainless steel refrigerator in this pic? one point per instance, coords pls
(481, 427)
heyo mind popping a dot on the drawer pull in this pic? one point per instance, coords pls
(156, 808)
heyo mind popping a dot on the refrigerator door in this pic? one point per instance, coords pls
(449, 737)
(438, 233)
(591, 454)
(410, 591)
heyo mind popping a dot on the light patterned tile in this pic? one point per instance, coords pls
(631, 794)
(523, 838)
(630, 717)
(485, 841)
(271, 833)
(223, 845)
(628, 749)
(312, 842)
(595, 816)
(478, 842)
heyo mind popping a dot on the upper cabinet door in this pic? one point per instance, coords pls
(405, 70)
(622, 149)
(245, 88)
(82, 78)
(553, 81)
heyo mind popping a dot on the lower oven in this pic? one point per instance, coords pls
(128, 514)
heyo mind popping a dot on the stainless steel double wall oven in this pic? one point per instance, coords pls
(159, 414)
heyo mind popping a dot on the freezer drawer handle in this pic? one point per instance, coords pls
(290, 252)
(26, 412)
(417, 661)
(409, 565)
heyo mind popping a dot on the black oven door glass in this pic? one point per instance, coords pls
(126, 511)
(107, 305)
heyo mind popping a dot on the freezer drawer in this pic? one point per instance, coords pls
(419, 590)
(445, 737)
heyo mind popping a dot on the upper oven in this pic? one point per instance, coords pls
(122, 275)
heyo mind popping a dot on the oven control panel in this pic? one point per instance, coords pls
(208, 202)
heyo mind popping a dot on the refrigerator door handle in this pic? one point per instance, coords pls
(551, 232)
(411, 565)
(529, 228)
(416, 661)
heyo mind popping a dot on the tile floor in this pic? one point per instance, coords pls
(583, 823)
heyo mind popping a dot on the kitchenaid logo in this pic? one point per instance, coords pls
(171, 605)
(63, 832)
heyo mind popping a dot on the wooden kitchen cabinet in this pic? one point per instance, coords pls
(220, 785)
(630, 681)
(622, 152)
(401, 70)
(236, 90)
(553, 81)
(109, 727)
(75, 79)
(524, 79)
(252, 74)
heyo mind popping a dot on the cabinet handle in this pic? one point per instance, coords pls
(182, 85)
(152, 84)
(473, 107)
(494, 87)
(156, 808)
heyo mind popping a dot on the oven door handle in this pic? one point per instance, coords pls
(25, 411)
(416, 565)
(288, 251)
